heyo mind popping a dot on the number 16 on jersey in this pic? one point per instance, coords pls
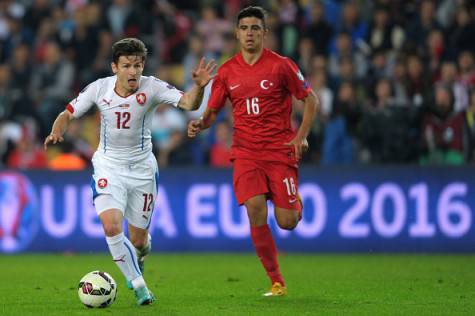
(252, 105)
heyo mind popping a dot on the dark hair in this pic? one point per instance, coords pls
(256, 12)
(128, 47)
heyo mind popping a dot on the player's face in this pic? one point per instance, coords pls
(251, 32)
(128, 70)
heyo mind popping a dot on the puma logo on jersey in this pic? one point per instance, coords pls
(234, 87)
(120, 259)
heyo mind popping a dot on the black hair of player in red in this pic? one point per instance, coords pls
(252, 11)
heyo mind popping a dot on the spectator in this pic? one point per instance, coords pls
(305, 53)
(434, 52)
(67, 160)
(339, 143)
(176, 152)
(442, 131)
(319, 31)
(36, 13)
(418, 81)
(84, 44)
(449, 77)
(213, 30)
(51, 84)
(345, 50)
(461, 33)
(6, 98)
(174, 29)
(352, 24)
(469, 130)
(123, 19)
(220, 153)
(399, 79)
(466, 66)
(383, 33)
(388, 132)
(165, 121)
(17, 34)
(426, 21)
(28, 153)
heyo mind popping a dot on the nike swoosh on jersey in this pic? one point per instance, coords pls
(234, 87)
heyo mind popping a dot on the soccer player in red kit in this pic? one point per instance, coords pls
(265, 151)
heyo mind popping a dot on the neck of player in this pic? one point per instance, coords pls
(251, 56)
(124, 91)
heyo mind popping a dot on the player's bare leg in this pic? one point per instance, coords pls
(287, 219)
(123, 253)
(263, 242)
(257, 210)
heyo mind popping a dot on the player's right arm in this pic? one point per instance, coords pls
(208, 118)
(215, 103)
(76, 108)
(60, 126)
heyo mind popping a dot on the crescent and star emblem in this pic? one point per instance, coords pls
(265, 84)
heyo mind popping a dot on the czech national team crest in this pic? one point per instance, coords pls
(102, 183)
(141, 98)
(19, 218)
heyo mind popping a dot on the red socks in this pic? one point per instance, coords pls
(266, 251)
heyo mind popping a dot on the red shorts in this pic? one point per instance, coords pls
(278, 181)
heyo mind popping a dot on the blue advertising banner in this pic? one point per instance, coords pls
(346, 209)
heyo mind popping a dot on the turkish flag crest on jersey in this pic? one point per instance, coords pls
(141, 98)
(102, 183)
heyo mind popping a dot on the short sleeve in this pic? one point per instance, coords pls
(84, 101)
(166, 93)
(219, 93)
(294, 80)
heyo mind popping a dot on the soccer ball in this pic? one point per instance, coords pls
(97, 289)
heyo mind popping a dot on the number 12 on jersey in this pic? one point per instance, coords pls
(123, 120)
(252, 105)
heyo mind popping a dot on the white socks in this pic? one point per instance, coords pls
(145, 250)
(124, 255)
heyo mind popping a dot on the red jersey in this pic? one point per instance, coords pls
(261, 97)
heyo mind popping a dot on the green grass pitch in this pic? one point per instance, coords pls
(232, 284)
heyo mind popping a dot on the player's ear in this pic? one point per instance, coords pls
(266, 30)
(114, 67)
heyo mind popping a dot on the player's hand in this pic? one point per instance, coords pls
(194, 128)
(53, 138)
(203, 72)
(300, 145)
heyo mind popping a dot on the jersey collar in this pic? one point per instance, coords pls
(241, 60)
(128, 95)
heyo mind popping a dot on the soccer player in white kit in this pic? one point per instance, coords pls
(125, 175)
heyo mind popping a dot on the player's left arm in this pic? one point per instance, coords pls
(201, 76)
(299, 87)
(311, 108)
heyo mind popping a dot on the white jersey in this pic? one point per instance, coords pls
(125, 121)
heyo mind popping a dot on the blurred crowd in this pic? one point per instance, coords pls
(396, 78)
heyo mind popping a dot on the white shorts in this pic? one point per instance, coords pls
(132, 189)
